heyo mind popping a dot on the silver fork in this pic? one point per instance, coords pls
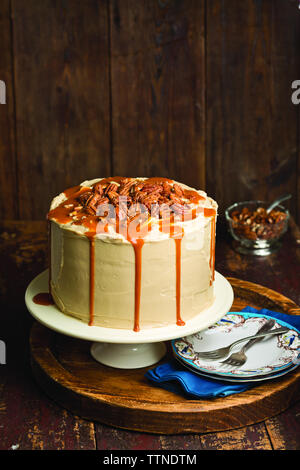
(239, 358)
(223, 352)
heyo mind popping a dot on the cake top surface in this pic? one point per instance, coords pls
(124, 208)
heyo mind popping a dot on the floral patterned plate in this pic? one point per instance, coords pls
(268, 356)
(257, 378)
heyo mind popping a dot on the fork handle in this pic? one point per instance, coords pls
(264, 328)
(257, 337)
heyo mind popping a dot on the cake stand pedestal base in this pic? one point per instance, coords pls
(128, 356)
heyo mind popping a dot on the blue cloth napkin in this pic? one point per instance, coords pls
(176, 378)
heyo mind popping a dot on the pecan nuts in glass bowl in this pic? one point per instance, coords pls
(256, 231)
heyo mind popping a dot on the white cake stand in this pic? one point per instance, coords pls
(125, 349)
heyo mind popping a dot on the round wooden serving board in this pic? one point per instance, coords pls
(65, 369)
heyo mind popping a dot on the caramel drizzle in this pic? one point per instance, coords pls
(137, 246)
(212, 249)
(179, 320)
(43, 298)
(62, 214)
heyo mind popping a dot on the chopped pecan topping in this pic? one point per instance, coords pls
(113, 203)
(178, 190)
(257, 224)
(98, 188)
(83, 198)
(94, 201)
(166, 188)
(124, 198)
(126, 186)
(111, 188)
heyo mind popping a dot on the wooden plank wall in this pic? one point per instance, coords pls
(252, 125)
(197, 90)
(8, 169)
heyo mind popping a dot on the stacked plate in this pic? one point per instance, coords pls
(268, 358)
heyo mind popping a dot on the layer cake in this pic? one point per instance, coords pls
(132, 253)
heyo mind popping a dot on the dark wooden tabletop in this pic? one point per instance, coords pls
(30, 420)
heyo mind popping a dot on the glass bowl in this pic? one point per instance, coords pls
(256, 232)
